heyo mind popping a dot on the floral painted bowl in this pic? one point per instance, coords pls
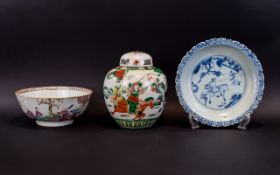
(53, 106)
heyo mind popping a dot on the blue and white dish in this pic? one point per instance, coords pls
(219, 82)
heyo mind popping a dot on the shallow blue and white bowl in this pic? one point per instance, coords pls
(219, 82)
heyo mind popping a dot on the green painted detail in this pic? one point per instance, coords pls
(108, 92)
(124, 124)
(139, 68)
(158, 70)
(132, 107)
(149, 98)
(134, 124)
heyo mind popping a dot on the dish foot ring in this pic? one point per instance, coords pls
(194, 123)
(54, 124)
(245, 122)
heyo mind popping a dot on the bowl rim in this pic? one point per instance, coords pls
(19, 92)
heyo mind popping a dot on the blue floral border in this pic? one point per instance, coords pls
(251, 56)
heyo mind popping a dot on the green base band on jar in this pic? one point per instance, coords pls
(136, 124)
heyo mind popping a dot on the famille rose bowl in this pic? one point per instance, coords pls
(53, 106)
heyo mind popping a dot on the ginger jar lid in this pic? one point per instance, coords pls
(136, 59)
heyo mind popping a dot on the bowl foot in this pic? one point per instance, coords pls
(54, 124)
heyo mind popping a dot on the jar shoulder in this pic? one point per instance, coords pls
(125, 76)
(121, 73)
(136, 69)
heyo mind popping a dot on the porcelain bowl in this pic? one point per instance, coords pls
(53, 106)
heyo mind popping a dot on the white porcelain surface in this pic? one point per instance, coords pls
(66, 93)
(136, 59)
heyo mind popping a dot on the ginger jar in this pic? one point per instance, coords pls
(135, 91)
